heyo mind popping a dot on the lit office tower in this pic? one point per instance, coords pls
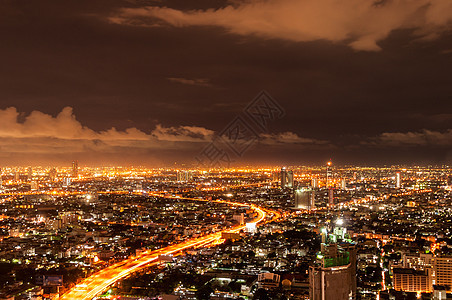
(315, 183)
(343, 184)
(330, 197)
(184, 176)
(75, 168)
(180, 176)
(442, 271)
(67, 181)
(17, 175)
(29, 173)
(328, 173)
(289, 176)
(304, 198)
(189, 176)
(411, 280)
(286, 178)
(439, 292)
(283, 177)
(333, 276)
(398, 180)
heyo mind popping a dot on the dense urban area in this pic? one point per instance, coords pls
(327, 232)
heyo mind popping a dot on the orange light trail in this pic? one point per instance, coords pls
(100, 281)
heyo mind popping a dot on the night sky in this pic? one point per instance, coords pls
(151, 82)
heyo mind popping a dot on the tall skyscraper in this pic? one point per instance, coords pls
(180, 176)
(75, 168)
(67, 181)
(328, 173)
(315, 183)
(398, 180)
(333, 276)
(289, 176)
(343, 184)
(283, 177)
(286, 178)
(330, 197)
(29, 173)
(184, 176)
(442, 271)
(313, 199)
(304, 198)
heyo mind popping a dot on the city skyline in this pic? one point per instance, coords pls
(325, 232)
(226, 149)
(152, 82)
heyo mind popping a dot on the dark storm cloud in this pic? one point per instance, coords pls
(56, 54)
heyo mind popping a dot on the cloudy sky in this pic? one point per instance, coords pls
(153, 82)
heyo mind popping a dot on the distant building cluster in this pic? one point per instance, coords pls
(184, 176)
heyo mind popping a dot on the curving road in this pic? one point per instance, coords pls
(100, 281)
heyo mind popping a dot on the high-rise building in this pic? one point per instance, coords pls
(75, 168)
(29, 173)
(289, 182)
(439, 292)
(329, 174)
(283, 177)
(330, 197)
(333, 276)
(184, 176)
(67, 181)
(343, 184)
(418, 261)
(411, 280)
(398, 180)
(180, 176)
(442, 271)
(312, 199)
(286, 178)
(17, 175)
(423, 272)
(315, 183)
(304, 198)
